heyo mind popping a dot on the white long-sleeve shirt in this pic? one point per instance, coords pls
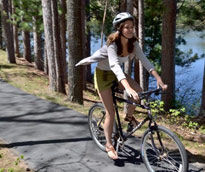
(113, 62)
(108, 59)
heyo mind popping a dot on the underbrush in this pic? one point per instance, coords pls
(179, 117)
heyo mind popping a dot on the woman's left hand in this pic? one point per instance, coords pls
(159, 80)
(161, 84)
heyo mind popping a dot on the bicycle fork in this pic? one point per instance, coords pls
(159, 155)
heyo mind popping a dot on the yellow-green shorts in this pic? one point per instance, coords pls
(104, 79)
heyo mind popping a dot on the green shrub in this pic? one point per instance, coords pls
(157, 107)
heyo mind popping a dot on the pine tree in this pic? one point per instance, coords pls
(8, 31)
(168, 51)
(202, 109)
(76, 50)
(47, 20)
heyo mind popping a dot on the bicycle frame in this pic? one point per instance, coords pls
(148, 118)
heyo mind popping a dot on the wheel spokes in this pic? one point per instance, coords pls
(162, 153)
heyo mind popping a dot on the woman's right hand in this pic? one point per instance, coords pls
(132, 93)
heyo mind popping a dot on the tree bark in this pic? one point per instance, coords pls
(136, 61)
(62, 18)
(15, 33)
(123, 5)
(103, 22)
(38, 56)
(16, 41)
(202, 109)
(26, 45)
(57, 49)
(83, 15)
(1, 33)
(47, 20)
(45, 60)
(141, 27)
(128, 63)
(76, 50)
(8, 32)
(87, 49)
(168, 51)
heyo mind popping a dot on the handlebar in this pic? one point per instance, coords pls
(142, 95)
(146, 94)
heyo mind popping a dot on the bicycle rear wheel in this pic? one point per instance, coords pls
(96, 119)
(161, 150)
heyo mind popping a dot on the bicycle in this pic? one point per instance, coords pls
(161, 149)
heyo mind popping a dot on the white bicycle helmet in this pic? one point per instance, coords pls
(121, 17)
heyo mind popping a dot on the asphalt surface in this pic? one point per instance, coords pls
(53, 138)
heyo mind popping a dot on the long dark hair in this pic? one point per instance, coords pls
(115, 37)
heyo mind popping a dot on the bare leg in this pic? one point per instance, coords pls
(106, 98)
(137, 88)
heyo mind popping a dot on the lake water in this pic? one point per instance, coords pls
(188, 80)
(193, 75)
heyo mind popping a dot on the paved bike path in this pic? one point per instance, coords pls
(53, 138)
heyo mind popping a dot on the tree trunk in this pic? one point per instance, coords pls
(47, 20)
(128, 64)
(45, 60)
(168, 51)
(26, 45)
(8, 32)
(87, 49)
(123, 5)
(76, 50)
(15, 33)
(10, 17)
(103, 22)
(62, 18)
(38, 56)
(136, 61)
(202, 109)
(1, 33)
(57, 48)
(83, 14)
(141, 27)
(16, 41)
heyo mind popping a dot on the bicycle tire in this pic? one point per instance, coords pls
(173, 158)
(96, 117)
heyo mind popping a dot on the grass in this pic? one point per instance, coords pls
(11, 162)
(24, 76)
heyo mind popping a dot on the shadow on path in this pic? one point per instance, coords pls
(29, 143)
(128, 155)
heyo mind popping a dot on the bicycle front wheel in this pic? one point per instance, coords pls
(161, 150)
(96, 119)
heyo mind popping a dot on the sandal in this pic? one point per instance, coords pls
(131, 120)
(112, 154)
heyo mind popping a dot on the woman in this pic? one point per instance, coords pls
(121, 45)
